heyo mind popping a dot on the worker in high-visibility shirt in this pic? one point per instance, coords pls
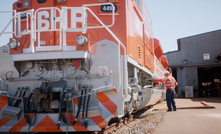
(170, 84)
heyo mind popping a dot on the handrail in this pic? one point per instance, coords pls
(125, 61)
(13, 18)
(52, 29)
(147, 19)
(119, 44)
(158, 67)
(113, 15)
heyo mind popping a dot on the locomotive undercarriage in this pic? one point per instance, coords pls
(139, 84)
(50, 88)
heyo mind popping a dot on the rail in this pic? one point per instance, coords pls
(35, 30)
(13, 18)
(147, 20)
(43, 29)
(159, 69)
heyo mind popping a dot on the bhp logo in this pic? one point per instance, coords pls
(48, 19)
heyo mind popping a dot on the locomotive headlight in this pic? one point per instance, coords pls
(61, 0)
(101, 0)
(27, 4)
(14, 44)
(81, 40)
(112, 0)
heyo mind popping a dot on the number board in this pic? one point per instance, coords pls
(23, 15)
(108, 8)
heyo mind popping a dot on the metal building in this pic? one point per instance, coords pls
(197, 64)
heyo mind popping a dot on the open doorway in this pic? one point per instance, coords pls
(209, 81)
(174, 74)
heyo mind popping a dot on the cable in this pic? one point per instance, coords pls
(60, 108)
(79, 107)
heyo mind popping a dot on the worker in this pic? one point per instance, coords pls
(170, 84)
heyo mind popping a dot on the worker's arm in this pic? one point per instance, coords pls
(175, 82)
(159, 80)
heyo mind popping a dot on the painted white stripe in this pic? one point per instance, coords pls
(105, 113)
(169, 84)
(92, 126)
(112, 95)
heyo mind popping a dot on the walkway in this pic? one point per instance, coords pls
(192, 117)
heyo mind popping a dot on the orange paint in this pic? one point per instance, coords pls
(17, 127)
(46, 125)
(78, 127)
(3, 102)
(3, 121)
(164, 61)
(115, 90)
(158, 48)
(75, 101)
(99, 120)
(107, 103)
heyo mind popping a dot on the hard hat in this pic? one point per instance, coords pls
(167, 72)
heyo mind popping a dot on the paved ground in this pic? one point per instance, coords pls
(192, 117)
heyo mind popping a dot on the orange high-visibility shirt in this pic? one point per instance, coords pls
(170, 82)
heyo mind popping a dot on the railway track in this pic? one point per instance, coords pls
(115, 125)
(144, 120)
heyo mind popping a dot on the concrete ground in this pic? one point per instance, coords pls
(192, 117)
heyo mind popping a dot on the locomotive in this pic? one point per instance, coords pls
(79, 64)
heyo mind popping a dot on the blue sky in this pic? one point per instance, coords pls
(172, 19)
(175, 19)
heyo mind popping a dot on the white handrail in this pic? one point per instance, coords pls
(113, 15)
(3, 31)
(125, 60)
(119, 44)
(158, 67)
(104, 68)
(13, 18)
(52, 29)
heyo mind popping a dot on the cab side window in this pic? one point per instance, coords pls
(42, 1)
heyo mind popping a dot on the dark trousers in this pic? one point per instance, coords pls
(170, 99)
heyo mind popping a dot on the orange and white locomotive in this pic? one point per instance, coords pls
(80, 63)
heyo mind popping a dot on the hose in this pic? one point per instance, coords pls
(68, 110)
(20, 92)
(79, 107)
(60, 108)
(16, 93)
(85, 93)
(28, 111)
(28, 102)
(86, 122)
(18, 100)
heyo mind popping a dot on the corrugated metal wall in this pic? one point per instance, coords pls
(193, 50)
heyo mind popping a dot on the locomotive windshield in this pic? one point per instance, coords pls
(42, 1)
